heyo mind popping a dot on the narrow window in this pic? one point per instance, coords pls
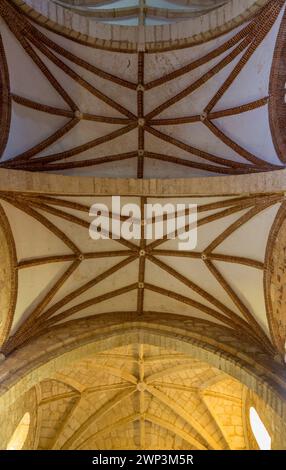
(20, 434)
(259, 430)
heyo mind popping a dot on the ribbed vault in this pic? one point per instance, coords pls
(148, 397)
(127, 343)
(137, 387)
(188, 102)
(65, 274)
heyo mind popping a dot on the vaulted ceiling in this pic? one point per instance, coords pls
(72, 110)
(136, 12)
(65, 275)
(196, 111)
